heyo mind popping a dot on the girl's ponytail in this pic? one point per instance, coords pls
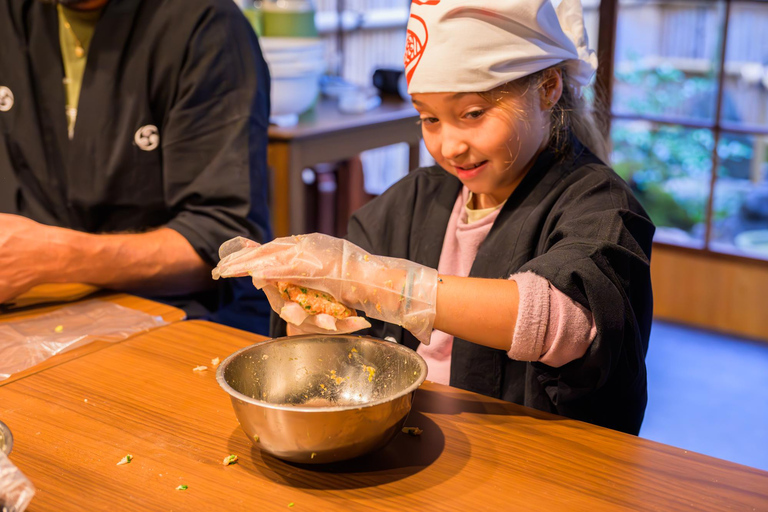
(573, 114)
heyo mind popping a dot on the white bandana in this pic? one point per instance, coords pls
(476, 45)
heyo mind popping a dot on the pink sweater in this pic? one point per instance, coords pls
(551, 327)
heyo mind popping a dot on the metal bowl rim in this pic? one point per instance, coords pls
(297, 408)
(7, 437)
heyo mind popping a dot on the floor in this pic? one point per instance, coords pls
(708, 393)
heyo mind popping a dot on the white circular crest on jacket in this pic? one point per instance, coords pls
(6, 99)
(147, 137)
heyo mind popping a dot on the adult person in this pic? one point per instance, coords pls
(133, 141)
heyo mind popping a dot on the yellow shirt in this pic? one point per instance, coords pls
(75, 33)
(476, 215)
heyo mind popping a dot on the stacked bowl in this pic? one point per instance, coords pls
(295, 65)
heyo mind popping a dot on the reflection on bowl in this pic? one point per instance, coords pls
(317, 399)
(6, 439)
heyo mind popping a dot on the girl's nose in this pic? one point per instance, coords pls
(453, 144)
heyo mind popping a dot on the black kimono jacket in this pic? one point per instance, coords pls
(171, 129)
(573, 221)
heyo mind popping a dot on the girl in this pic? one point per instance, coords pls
(522, 249)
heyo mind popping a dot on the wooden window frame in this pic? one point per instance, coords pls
(609, 11)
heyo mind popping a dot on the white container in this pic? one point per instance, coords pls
(295, 66)
(290, 49)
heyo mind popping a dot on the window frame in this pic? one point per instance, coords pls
(607, 25)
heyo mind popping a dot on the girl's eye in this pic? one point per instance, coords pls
(428, 120)
(475, 114)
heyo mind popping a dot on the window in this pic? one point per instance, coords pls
(689, 117)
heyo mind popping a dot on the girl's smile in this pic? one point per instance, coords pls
(470, 171)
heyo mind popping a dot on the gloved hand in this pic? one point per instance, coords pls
(394, 290)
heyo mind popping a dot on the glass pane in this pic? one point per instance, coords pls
(591, 20)
(667, 60)
(592, 25)
(740, 209)
(668, 169)
(745, 93)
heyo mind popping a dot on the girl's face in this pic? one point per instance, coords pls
(489, 144)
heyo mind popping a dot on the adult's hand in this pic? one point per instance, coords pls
(29, 255)
(158, 262)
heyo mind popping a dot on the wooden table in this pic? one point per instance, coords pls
(63, 294)
(327, 135)
(48, 294)
(74, 422)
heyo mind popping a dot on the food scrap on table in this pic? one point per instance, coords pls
(215, 361)
(199, 368)
(290, 504)
(412, 431)
(182, 488)
(229, 459)
(313, 455)
(58, 328)
(256, 438)
(125, 460)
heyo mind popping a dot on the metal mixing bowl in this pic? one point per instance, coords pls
(6, 439)
(318, 399)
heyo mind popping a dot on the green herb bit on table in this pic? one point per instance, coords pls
(182, 488)
(229, 459)
(125, 460)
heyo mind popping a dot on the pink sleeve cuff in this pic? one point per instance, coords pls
(551, 328)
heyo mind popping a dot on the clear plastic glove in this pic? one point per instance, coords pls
(16, 491)
(304, 313)
(394, 290)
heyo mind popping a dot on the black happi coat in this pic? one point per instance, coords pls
(187, 71)
(573, 221)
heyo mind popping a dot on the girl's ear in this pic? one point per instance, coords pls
(551, 88)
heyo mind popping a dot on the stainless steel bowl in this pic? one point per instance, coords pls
(318, 399)
(6, 439)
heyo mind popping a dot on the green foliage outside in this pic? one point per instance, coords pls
(669, 167)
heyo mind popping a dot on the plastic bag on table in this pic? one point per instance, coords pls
(25, 343)
(16, 491)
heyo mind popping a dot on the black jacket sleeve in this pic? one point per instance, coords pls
(598, 252)
(215, 135)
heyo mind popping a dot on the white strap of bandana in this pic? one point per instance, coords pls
(571, 16)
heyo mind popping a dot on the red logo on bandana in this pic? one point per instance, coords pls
(415, 44)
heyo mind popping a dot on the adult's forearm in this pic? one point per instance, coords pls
(159, 262)
(483, 311)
